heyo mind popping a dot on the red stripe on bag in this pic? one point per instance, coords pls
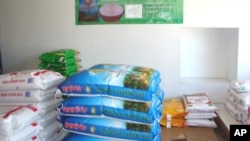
(34, 109)
(11, 111)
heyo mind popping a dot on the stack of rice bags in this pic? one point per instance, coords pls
(200, 110)
(112, 102)
(173, 113)
(64, 61)
(238, 101)
(28, 105)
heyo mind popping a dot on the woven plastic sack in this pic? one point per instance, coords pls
(145, 112)
(125, 84)
(112, 128)
(30, 80)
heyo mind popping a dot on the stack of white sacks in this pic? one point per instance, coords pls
(200, 110)
(238, 101)
(28, 105)
(112, 102)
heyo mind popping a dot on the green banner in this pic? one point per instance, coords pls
(128, 12)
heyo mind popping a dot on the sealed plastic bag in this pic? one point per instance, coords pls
(175, 110)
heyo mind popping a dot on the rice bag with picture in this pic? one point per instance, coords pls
(153, 72)
(117, 83)
(145, 112)
(112, 128)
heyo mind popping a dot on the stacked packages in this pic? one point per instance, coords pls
(200, 110)
(112, 102)
(28, 105)
(64, 61)
(238, 101)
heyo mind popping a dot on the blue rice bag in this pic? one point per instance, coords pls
(144, 112)
(153, 72)
(79, 137)
(104, 127)
(125, 84)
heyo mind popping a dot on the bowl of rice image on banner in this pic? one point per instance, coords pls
(111, 12)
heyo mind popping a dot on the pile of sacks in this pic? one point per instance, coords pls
(64, 61)
(112, 102)
(28, 105)
(200, 110)
(238, 101)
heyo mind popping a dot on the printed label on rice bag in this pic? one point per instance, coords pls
(143, 70)
(127, 84)
(112, 128)
(30, 79)
(145, 112)
(26, 95)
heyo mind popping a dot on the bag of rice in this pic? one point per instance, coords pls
(79, 137)
(145, 112)
(48, 130)
(30, 80)
(58, 55)
(112, 128)
(150, 71)
(126, 84)
(26, 134)
(26, 95)
(14, 118)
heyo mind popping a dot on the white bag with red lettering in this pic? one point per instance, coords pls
(26, 95)
(16, 118)
(30, 80)
(26, 134)
(13, 118)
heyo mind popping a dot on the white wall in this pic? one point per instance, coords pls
(30, 27)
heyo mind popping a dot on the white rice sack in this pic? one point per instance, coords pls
(201, 115)
(43, 106)
(240, 86)
(48, 130)
(30, 79)
(15, 118)
(231, 109)
(201, 123)
(27, 134)
(26, 95)
(240, 98)
(198, 102)
(58, 136)
(243, 109)
(47, 117)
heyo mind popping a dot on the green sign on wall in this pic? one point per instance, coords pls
(129, 12)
